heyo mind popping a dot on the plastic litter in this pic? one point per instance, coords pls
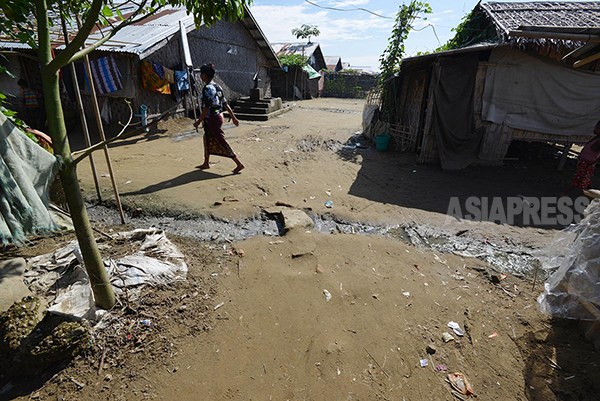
(456, 328)
(146, 322)
(572, 291)
(329, 204)
(423, 362)
(447, 337)
(327, 295)
(493, 335)
(460, 384)
(441, 368)
(61, 278)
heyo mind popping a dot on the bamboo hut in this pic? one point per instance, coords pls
(519, 71)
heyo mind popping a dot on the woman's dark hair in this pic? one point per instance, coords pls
(208, 69)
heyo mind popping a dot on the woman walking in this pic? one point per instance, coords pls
(213, 103)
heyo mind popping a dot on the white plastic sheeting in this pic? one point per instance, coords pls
(529, 93)
(573, 290)
(61, 277)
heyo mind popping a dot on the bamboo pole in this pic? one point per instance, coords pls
(587, 60)
(84, 125)
(88, 68)
(113, 180)
(578, 37)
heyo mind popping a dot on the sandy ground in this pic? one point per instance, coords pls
(253, 321)
(297, 158)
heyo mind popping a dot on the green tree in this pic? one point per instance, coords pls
(296, 60)
(28, 22)
(306, 31)
(391, 58)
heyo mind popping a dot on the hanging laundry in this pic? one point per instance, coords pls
(152, 81)
(159, 70)
(169, 75)
(107, 76)
(181, 79)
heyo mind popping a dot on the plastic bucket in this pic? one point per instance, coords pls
(382, 142)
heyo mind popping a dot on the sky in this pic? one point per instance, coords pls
(358, 37)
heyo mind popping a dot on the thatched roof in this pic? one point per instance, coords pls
(494, 22)
(510, 16)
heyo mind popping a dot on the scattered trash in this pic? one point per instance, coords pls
(441, 368)
(329, 204)
(375, 296)
(456, 328)
(460, 384)
(447, 337)
(406, 294)
(328, 192)
(493, 335)
(61, 275)
(146, 322)
(327, 295)
(431, 349)
(217, 306)
(423, 362)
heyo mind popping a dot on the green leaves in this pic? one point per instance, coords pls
(306, 31)
(391, 58)
(293, 60)
(107, 11)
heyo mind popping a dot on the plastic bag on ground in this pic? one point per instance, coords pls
(62, 279)
(572, 291)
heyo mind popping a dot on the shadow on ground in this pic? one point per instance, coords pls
(560, 365)
(186, 178)
(31, 355)
(396, 178)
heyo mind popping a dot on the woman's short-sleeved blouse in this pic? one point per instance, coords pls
(213, 98)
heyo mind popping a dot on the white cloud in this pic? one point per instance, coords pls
(332, 27)
(349, 3)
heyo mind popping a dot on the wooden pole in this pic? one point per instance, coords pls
(88, 69)
(556, 35)
(84, 125)
(565, 155)
(587, 60)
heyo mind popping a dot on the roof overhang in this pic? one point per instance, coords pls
(259, 37)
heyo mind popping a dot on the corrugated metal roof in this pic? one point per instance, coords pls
(134, 39)
(140, 37)
(306, 49)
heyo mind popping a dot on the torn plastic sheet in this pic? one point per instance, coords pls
(573, 290)
(62, 279)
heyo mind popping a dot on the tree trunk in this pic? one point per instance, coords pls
(101, 287)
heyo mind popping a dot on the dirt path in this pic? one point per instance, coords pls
(253, 321)
(298, 158)
(283, 340)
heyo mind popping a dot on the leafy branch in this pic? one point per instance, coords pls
(391, 58)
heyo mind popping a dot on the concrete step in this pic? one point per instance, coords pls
(251, 110)
(249, 103)
(260, 117)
